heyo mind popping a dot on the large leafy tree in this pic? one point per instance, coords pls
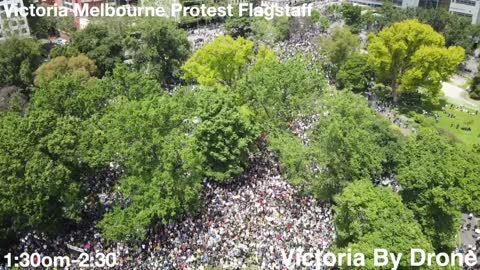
(69, 95)
(299, 162)
(438, 180)
(369, 217)
(166, 145)
(352, 142)
(354, 73)
(349, 142)
(222, 60)
(458, 30)
(39, 172)
(352, 15)
(338, 46)
(239, 26)
(66, 87)
(80, 66)
(19, 57)
(161, 169)
(129, 83)
(278, 92)
(224, 133)
(99, 44)
(158, 48)
(411, 56)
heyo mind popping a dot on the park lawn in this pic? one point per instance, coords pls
(463, 119)
(448, 126)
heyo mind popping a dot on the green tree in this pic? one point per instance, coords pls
(318, 20)
(12, 98)
(369, 217)
(296, 158)
(355, 73)
(99, 44)
(338, 47)
(41, 27)
(370, 20)
(222, 60)
(224, 134)
(457, 30)
(166, 144)
(38, 172)
(158, 48)
(438, 179)
(159, 193)
(236, 26)
(69, 95)
(126, 82)
(19, 57)
(352, 142)
(77, 94)
(80, 66)
(391, 14)
(161, 167)
(352, 16)
(474, 90)
(409, 56)
(278, 92)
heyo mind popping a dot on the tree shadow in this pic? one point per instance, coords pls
(418, 103)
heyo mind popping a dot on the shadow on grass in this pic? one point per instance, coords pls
(414, 102)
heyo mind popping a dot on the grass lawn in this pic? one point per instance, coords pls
(462, 120)
(452, 127)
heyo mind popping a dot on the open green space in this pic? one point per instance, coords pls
(458, 123)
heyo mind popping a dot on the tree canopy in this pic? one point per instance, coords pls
(354, 73)
(79, 66)
(348, 143)
(19, 57)
(369, 217)
(338, 47)
(438, 180)
(411, 56)
(474, 90)
(158, 47)
(98, 43)
(40, 184)
(222, 60)
(278, 92)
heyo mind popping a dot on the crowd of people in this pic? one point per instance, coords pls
(200, 36)
(302, 124)
(386, 110)
(244, 223)
(302, 42)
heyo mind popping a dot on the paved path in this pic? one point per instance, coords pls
(457, 95)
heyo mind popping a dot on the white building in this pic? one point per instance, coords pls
(13, 26)
(467, 8)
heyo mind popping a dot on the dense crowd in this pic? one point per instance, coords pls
(302, 124)
(302, 42)
(244, 223)
(200, 36)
